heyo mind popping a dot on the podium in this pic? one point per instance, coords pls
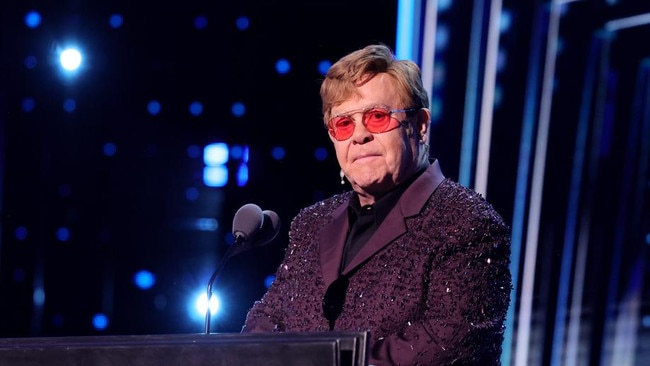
(220, 349)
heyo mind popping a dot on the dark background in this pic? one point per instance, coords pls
(571, 103)
(129, 211)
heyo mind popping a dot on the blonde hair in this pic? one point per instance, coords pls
(356, 68)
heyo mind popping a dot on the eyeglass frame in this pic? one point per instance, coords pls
(363, 111)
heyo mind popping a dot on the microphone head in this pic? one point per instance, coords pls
(247, 222)
(270, 228)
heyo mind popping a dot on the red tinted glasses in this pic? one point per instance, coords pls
(375, 119)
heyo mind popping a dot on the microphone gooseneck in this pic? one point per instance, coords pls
(251, 227)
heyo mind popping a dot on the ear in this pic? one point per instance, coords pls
(424, 121)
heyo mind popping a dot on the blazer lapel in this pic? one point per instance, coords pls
(331, 242)
(394, 225)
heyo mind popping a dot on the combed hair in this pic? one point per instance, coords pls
(356, 68)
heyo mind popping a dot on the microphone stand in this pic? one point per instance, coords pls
(229, 253)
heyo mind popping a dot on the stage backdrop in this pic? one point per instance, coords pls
(119, 181)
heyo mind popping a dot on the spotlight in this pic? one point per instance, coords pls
(70, 59)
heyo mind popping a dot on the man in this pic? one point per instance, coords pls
(414, 258)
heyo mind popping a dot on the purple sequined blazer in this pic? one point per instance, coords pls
(432, 285)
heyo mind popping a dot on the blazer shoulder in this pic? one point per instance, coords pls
(455, 200)
(317, 211)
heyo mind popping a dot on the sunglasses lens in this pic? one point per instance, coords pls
(341, 128)
(377, 120)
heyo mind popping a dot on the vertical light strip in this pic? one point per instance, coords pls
(405, 32)
(601, 114)
(622, 318)
(534, 212)
(38, 293)
(487, 104)
(471, 97)
(573, 347)
(573, 203)
(3, 133)
(429, 45)
(523, 172)
(625, 339)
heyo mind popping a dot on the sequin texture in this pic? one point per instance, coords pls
(436, 294)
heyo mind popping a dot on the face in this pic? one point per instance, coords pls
(376, 163)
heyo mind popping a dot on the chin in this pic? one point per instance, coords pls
(370, 183)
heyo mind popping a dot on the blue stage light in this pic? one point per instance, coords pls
(70, 59)
(28, 104)
(100, 321)
(110, 149)
(196, 108)
(242, 175)
(21, 233)
(278, 153)
(320, 153)
(283, 66)
(242, 23)
(31, 62)
(38, 296)
(32, 19)
(239, 152)
(215, 154)
(201, 305)
(153, 107)
(69, 105)
(324, 66)
(115, 21)
(200, 22)
(63, 234)
(269, 280)
(238, 109)
(144, 279)
(215, 176)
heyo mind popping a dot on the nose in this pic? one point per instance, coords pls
(361, 134)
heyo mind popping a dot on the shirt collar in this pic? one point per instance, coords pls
(382, 206)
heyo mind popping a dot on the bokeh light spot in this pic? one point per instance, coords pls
(282, 66)
(278, 153)
(242, 23)
(153, 107)
(115, 21)
(32, 19)
(238, 109)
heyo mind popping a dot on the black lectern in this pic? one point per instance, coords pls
(220, 349)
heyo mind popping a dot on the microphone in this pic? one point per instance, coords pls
(248, 221)
(251, 227)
